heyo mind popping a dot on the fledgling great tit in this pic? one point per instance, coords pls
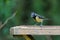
(38, 18)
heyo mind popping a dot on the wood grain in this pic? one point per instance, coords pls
(35, 30)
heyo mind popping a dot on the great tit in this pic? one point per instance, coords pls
(38, 18)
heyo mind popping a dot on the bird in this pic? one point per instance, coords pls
(38, 18)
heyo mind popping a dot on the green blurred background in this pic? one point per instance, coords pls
(48, 8)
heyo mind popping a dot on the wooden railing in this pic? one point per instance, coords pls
(34, 30)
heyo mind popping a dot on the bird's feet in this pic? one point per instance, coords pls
(41, 25)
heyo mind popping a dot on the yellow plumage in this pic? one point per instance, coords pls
(26, 37)
(38, 19)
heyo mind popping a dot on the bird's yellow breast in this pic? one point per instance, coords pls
(38, 19)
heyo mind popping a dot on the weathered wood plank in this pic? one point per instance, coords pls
(35, 30)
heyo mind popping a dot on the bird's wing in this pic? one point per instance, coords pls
(42, 17)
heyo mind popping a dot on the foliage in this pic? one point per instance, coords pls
(48, 8)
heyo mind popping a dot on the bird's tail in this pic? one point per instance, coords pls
(46, 19)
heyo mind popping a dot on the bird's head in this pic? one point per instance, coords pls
(33, 14)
